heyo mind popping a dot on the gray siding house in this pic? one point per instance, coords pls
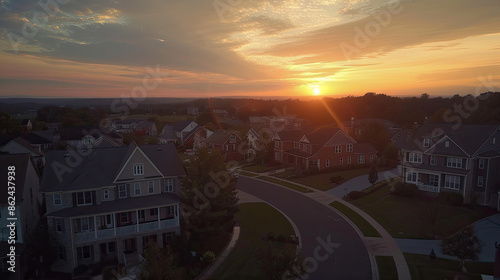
(463, 159)
(112, 202)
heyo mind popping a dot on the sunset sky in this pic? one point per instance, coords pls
(207, 48)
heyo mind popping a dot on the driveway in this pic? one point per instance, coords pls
(360, 183)
(331, 247)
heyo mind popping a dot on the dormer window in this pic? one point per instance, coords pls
(447, 144)
(427, 142)
(232, 139)
(138, 169)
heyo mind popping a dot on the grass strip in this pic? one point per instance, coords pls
(285, 184)
(366, 228)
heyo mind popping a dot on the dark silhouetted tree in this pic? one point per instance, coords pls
(373, 175)
(278, 264)
(464, 245)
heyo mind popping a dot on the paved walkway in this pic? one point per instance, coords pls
(360, 183)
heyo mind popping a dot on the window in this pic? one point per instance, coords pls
(168, 185)
(338, 149)
(124, 218)
(349, 160)
(454, 162)
(412, 177)
(83, 198)
(426, 142)
(59, 225)
(415, 157)
(137, 188)
(361, 159)
(105, 193)
(57, 199)
(371, 157)
(61, 253)
(151, 186)
(122, 191)
(327, 163)
(493, 140)
(341, 161)
(84, 224)
(432, 160)
(142, 214)
(447, 144)
(481, 163)
(84, 252)
(452, 182)
(138, 169)
(277, 155)
(434, 180)
(348, 148)
(276, 144)
(480, 181)
(232, 139)
(234, 147)
(304, 147)
(153, 212)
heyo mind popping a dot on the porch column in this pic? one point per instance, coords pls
(158, 216)
(439, 183)
(137, 220)
(114, 223)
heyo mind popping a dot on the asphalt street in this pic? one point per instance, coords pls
(331, 247)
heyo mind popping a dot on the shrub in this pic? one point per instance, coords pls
(271, 236)
(281, 238)
(355, 195)
(208, 257)
(452, 198)
(336, 179)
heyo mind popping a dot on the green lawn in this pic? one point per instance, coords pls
(259, 168)
(403, 217)
(322, 181)
(386, 268)
(421, 268)
(366, 228)
(244, 173)
(256, 220)
(285, 184)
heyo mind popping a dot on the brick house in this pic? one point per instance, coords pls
(227, 143)
(112, 203)
(323, 148)
(464, 160)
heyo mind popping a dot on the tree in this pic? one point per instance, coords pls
(464, 245)
(277, 264)
(373, 175)
(209, 194)
(431, 216)
(159, 264)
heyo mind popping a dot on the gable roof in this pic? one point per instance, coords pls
(468, 137)
(78, 132)
(25, 144)
(102, 166)
(219, 137)
(180, 125)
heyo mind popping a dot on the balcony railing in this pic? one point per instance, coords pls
(124, 230)
(427, 188)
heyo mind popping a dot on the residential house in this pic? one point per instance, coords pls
(221, 113)
(463, 159)
(126, 126)
(277, 123)
(146, 128)
(24, 188)
(193, 111)
(80, 136)
(108, 140)
(322, 148)
(113, 203)
(26, 125)
(177, 132)
(195, 137)
(227, 143)
(20, 145)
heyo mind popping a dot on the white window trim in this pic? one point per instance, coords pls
(168, 185)
(338, 149)
(120, 193)
(481, 163)
(480, 181)
(450, 181)
(137, 188)
(327, 163)
(348, 147)
(54, 199)
(432, 160)
(151, 185)
(361, 159)
(138, 169)
(105, 194)
(454, 162)
(415, 157)
(84, 200)
(427, 142)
